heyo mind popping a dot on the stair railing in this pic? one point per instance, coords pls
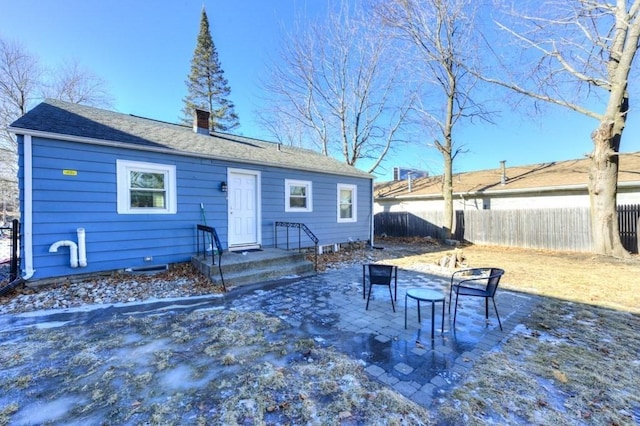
(213, 238)
(301, 227)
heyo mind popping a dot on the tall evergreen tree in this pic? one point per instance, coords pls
(207, 88)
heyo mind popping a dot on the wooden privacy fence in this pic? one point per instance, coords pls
(567, 229)
(405, 224)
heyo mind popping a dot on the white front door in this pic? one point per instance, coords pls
(244, 208)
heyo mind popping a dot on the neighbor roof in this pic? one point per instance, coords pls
(536, 177)
(98, 126)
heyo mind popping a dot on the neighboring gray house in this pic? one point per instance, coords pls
(542, 206)
(124, 189)
(556, 184)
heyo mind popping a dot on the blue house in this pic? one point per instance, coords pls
(103, 191)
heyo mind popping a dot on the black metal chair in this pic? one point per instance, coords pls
(380, 275)
(476, 282)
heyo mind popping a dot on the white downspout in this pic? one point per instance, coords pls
(82, 248)
(372, 214)
(27, 220)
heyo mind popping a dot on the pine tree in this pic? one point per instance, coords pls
(207, 88)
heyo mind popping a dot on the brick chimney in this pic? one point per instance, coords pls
(201, 122)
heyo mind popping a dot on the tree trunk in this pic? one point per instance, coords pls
(603, 178)
(447, 194)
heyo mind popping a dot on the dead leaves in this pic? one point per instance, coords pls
(560, 376)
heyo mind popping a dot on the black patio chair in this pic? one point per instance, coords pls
(380, 275)
(476, 282)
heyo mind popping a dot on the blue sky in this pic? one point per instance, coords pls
(143, 50)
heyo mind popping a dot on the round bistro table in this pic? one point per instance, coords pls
(424, 295)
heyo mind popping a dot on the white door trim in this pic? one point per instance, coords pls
(258, 210)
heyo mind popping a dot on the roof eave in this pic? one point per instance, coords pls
(540, 189)
(115, 144)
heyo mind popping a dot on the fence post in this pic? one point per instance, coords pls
(638, 235)
(15, 240)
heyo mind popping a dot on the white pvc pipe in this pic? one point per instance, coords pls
(82, 248)
(73, 250)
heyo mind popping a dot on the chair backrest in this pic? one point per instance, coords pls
(493, 280)
(380, 274)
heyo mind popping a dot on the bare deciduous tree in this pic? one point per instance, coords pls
(337, 85)
(441, 33)
(20, 78)
(22, 83)
(580, 55)
(72, 83)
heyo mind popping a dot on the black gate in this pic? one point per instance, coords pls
(628, 216)
(12, 234)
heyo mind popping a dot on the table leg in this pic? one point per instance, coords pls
(363, 280)
(395, 280)
(419, 319)
(405, 311)
(442, 317)
(433, 317)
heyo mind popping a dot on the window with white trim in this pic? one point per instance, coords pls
(297, 196)
(146, 188)
(347, 203)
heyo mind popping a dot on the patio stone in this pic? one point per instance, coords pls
(422, 398)
(388, 379)
(382, 338)
(403, 368)
(419, 351)
(439, 381)
(443, 349)
(374, 370)
(428, 389)
(406, 388)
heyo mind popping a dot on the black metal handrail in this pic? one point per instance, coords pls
(300, 226)
(213, 238)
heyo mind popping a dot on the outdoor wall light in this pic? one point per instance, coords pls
(223, 186)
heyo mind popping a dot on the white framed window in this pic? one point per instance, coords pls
(347, 203)
(298, 196)
(146, 188)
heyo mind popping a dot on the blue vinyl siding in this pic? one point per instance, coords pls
(63, 203)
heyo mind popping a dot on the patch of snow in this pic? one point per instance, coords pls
(143, 355)
(5, 248)
(51, 324)
(40, 413)
(542, 336)
(179, 378)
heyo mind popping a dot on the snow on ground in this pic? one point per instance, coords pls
(5, 248)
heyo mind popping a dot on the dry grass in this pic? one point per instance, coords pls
(576, 277)
(209, 367)
(571, 365)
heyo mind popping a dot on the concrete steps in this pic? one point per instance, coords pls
(251, 267)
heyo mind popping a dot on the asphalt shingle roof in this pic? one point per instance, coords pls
(63, 118)
(532, 177)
